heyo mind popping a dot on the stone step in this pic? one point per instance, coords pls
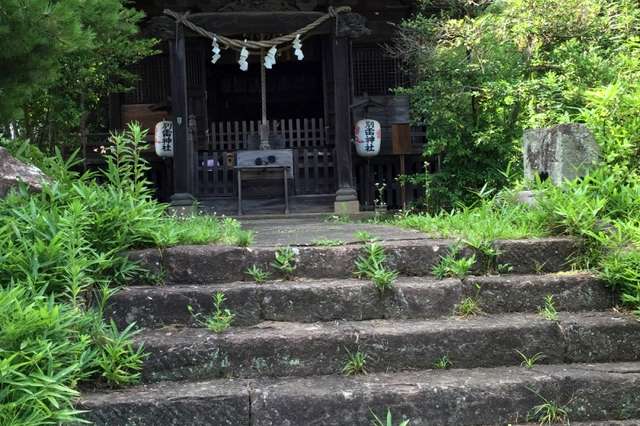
(354, 300)
(595, 423)
(219, 264)
(498, 396)
(278, 349)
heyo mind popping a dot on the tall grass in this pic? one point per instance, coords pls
(60, 260)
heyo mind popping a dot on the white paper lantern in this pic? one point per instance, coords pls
(368, 138)
(164, 139)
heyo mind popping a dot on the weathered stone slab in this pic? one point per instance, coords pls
(14, 171)
(293, 349)
(525, 293)
(562, 152)
(447, 398)
(600, 337)
(217, 264)
(157, 306)
(224, 402)
(353, 300)
(541, 255)
(496, 396)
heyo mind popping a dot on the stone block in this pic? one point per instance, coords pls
(559, 153)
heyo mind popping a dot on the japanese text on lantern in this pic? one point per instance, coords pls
(370, 135)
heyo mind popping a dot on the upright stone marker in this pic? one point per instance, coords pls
(562, 152)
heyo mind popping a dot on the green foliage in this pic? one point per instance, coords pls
(454, 266)
(548, 412)
(384, 279)
(355, 364)
(258, 275)
(371, 264)
(118, 360)
(60, 60)
(529, 361)
(364, 236)
(328, 243)
(60, 261)
(285, 262)
(204, 229)
(371, 260)
(443, 363)
(244, 238)
(485, 220)
(486, 74)
(468, 307)
(220, 320)
(377, 421)
(548, 310)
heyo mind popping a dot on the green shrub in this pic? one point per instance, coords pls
(60, 255)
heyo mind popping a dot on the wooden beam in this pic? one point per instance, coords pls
(231, 23)
(346, 196)
(182, 152)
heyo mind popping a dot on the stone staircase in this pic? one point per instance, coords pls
(281, 363)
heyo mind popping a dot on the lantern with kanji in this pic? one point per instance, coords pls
(368, 137)
(164, 139)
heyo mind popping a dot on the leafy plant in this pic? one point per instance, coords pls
(258, 275)
(371, 260)
(371, 265)
(118, 360)
(285, 262)
(549, 412)
(364, 236)
(504, 268)
(548, 310)
(384, 279)
(488, 254)
(328, 243)
(388, 420)
(529, 362)
(443, 363)
(244, 238)
(220, 320)
(468, 307)
(356, 363)
(452, 266)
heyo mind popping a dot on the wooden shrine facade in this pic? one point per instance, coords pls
(216, 108)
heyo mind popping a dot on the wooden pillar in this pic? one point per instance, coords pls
(183, 150)
(346, 196)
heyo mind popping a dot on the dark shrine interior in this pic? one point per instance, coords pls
(294, 88)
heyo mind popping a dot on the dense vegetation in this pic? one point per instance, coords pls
(493, 70)
(58, 62)
(60, 260)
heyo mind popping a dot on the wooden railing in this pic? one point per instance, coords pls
(313, 158)
(291, 133)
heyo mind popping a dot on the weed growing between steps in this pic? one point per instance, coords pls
(60, 261)
(388, 421)
(221, 318)
(371, 264)
(529, 361)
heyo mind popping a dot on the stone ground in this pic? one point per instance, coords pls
(306, 231)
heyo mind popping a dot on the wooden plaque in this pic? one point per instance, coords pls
(401, 139)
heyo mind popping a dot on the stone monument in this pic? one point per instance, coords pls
(559, 153)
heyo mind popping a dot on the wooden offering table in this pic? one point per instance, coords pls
(264, 168)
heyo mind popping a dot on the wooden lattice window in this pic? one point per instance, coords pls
(375, 73)
(152, 83)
